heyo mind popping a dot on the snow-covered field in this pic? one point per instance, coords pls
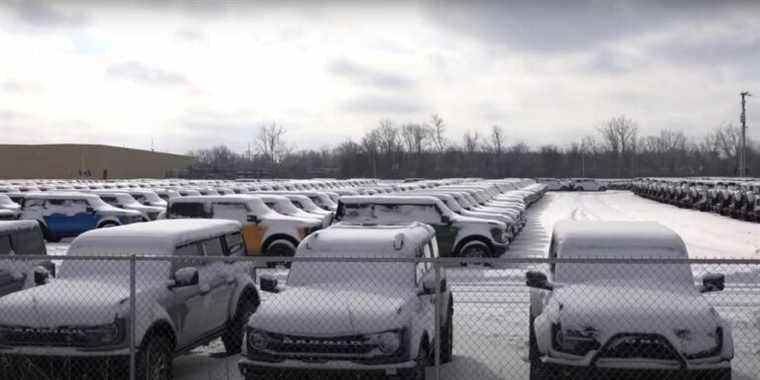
(491, 305)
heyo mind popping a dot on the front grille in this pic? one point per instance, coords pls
(639, 346)
(45, 337)
(351, 345)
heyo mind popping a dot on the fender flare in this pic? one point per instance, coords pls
(247, 287)
(473, 238)
(273, 238)
(108, 219)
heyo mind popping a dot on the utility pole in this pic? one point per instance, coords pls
(743, 152)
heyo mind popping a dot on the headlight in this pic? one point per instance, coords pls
(498, 234)
(389, 342)
(574, 342)
(256, 339)
(717, 335)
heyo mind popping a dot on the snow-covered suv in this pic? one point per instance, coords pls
(265, 231)
(83, 314)
(589, 319)
(354, 315)
(69, 214)
(457, 235)
(19, 238)
(9, 210)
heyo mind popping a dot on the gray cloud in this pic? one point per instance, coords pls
(385, 105)
(37, 13)
(142, 73)
(368, 76)
(559, 26)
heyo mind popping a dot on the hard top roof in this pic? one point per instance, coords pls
(358, 240)
(158, 237)
(630, 239)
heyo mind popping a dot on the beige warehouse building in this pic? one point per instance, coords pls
(59, 161)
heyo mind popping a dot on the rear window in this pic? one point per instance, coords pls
(188, 210)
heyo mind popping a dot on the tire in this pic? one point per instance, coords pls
(447, 335)
(280, 247)
(233, 335)
(154, 360)
(108, 225)
(474, 249)
(423, 361)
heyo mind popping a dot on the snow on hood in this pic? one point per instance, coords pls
(64, 303)
(612, 307)
(333, 311)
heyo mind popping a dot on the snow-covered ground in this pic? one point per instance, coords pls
(491, 305)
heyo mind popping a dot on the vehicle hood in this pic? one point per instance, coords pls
(612, 309)
(468, 221)
(64, 303)
(334, 311)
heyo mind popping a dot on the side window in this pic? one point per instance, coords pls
(5, 245)
(110, 200)
(235, 244)
(213, 247)
(186, 253)
(297, 204)
(232, 211)
(34, 204)
(79, 205)
(188, 210)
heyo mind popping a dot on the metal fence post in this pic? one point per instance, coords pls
(132, 313)
(438, 336)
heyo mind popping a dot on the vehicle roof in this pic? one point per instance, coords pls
(60, 194)
(17, 225)
(391, 199)
(630, 239)
(154, 238)
(350, 240)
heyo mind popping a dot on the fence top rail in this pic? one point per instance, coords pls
(442, 260)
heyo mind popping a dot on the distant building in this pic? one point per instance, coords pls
(56, 161)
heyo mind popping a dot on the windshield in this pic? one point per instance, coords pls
(283, 206)
(352, 274)
(678, 273)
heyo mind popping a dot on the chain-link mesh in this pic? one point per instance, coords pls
(218, 318)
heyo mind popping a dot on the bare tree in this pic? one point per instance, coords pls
(438, 128)
(270, 142)
(620, 134)
(497, 139)
(371, 145)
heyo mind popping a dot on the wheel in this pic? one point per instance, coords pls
(423, 361)
(475, 249)
(108, 225)
(233, 335)
(447, 335)
(282, 248)
(154, 360)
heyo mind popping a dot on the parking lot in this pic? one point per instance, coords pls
(491, 304)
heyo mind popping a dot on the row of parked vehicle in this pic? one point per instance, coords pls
(573, 184)
(477, 218)
(738, 198)
(76, 318)
(586, 320)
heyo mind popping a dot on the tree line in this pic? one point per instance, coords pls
(426, 150)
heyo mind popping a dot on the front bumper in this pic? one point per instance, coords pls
(64, 352)
(252, 368)
(636, 364)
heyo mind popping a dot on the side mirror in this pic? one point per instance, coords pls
(538, 280)
(90, 209)
(428, 284)
(713, 282)
(185, 277)
(268, 284)
(41, 275)
(254, 219)
(445, 219)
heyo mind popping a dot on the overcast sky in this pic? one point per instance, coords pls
(189, 75)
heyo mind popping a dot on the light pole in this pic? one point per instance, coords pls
(743, 152)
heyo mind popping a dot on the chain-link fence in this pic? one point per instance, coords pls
(138, 317)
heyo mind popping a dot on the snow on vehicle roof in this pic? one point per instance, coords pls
(391, 199)
(61, 194)
(357, 240)
(16, 225)
(149, 238)
(631, 239)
